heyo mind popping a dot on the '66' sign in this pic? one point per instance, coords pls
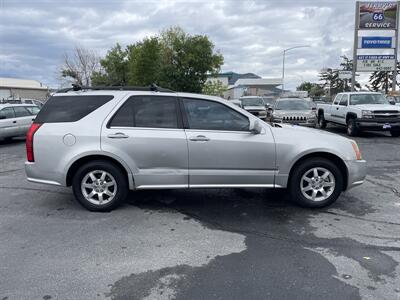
(378, 15)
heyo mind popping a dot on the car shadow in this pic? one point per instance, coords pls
(363, 134)
(12, 141)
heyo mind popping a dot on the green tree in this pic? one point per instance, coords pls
(115, 68)
(331, 80)
(214, 88)
(187, 60)
(144, 62)
(305, 86)
(382, 81)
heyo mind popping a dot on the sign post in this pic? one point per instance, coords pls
(375, 38)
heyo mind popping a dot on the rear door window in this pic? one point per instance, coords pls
(33, 109)
(70, 108)
(21, 111)
(7, 113)
(147, 112)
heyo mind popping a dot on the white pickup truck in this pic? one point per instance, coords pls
(361, 111)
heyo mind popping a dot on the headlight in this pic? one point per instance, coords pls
(356, 150)
(367, 114)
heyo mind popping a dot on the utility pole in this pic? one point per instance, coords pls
(355, 46)
(283, 61)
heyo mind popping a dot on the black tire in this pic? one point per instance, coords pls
(395, 133)
(321, 121)
(352, 129)
(121, 185)
(303, 168)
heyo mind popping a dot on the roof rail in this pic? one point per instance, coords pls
(153, 87)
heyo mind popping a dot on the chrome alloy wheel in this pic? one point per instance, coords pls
(317, 184)
(99, 187)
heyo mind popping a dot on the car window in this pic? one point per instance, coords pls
(358, 99)
(70, 108)
(337, 99)
(210, 115)
(21, 111)
(147, 111)
(343, 100)
(33, 109)
(7, 112)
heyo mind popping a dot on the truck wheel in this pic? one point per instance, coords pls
(321, 121)
(100, 186)
(395, 133)
(352, 129)
(315, 182)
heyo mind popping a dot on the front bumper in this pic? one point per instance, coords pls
(357, 171)
(308, 123)
(378, 124)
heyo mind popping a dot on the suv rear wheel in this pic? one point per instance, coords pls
(100, 186)
(315, 182)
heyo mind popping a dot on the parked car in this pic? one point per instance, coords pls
(295, 111)
(254, 105)
(237, 103)
(15, 119)
(361, 111)
(105, 142)
(393, 98)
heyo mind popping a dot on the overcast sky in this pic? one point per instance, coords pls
(251, 35)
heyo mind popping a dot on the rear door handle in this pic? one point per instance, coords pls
(118, 135)
(199, 138)
(14, 122)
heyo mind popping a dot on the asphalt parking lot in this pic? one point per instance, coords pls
(202, 244)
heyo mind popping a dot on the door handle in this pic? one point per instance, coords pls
(337, 108)
(199, 138)
(14, 122)
(118, 135)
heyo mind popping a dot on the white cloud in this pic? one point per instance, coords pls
(250, 34)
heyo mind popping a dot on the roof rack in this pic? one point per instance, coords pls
(153, 87)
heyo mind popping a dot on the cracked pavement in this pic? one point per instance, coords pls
(202, 244)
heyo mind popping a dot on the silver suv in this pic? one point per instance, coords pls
(104, 143)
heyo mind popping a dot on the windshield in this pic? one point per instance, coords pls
(293, 105)
(368, 99)
(252, 102)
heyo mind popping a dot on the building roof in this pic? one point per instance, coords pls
(6, 82)
(233, 77)
(258, 82)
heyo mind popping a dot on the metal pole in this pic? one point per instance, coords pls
(394, 81)
(355, 46)
(283, 71)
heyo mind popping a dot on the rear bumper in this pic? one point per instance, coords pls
(378, 124)
(357, 171)
(34, 174)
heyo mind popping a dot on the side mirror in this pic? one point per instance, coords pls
(256, 127)
(392, 102)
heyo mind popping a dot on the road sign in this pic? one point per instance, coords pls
(344, 75)
(372, 63)
(378, 15)
(376, 42)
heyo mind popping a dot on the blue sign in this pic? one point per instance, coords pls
(376, 42)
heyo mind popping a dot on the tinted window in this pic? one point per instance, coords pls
(124, 115)
(147, 111)
(70, 108)
(33, 109)
(210, 115)
(357, 99)
(157, 112)
(21, 111)
(7, 112)
(337, 99)
(343, 100)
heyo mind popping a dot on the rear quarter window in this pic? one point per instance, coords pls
(70, 108)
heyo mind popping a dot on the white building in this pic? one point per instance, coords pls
(254, 87)
(17, 89)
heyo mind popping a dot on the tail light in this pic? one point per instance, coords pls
(29, 141)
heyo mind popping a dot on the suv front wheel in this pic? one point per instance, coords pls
(315, 182)
(100, 186)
